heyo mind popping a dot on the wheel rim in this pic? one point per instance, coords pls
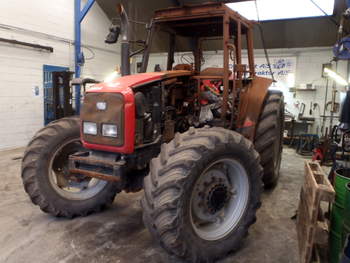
(219, 199)
(72, 187)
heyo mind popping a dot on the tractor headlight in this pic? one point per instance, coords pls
(89, 128)
(101, 105)
(109, 130)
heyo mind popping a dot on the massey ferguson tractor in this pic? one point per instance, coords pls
(201, 143)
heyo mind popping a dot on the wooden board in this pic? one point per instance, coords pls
(311, 226)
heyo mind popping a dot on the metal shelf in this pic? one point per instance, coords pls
(296, 89)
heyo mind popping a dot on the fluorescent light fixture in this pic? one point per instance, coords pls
(282, 9)
(335, 76)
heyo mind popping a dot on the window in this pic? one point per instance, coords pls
(283, 9)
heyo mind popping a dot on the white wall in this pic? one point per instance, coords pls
(48, 23)
(51, 23)
(308, 70)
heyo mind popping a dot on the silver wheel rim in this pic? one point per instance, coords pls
(219, 199)
(72, 190)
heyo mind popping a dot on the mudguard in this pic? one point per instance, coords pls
(251, 102)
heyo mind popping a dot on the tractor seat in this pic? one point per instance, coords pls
(183, 67)
(217, 72)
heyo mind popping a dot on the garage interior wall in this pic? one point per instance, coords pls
(308, 71)
(21, 68)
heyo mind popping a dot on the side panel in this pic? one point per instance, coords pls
(251, 101)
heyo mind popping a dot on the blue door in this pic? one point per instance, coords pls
(48, 92)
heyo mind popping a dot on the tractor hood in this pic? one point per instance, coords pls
(132, 81)
(120, 94)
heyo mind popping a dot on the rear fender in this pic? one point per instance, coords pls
(250, 107)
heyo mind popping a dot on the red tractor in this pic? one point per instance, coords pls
(200, 143)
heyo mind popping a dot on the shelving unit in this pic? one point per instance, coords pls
(296, 89)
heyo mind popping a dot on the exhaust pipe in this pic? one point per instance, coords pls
(125, 46)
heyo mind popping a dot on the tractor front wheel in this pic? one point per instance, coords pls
(202, 193)
(46, 176)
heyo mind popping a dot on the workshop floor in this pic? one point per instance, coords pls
(117, 235)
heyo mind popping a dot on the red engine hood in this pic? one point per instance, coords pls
(124, 86)
(119, 84)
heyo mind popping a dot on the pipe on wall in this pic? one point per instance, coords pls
(26, 44)
(79, 15)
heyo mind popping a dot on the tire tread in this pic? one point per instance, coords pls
(266, 135)
(34, 153)
(162, 198)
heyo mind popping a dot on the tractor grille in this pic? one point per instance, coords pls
(113, 114)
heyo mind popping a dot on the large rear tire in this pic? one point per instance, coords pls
(202, 193)
(269, 137)
(46, 177)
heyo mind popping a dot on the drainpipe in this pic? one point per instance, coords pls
(79, 57)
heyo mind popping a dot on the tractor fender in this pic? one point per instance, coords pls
(251, 101)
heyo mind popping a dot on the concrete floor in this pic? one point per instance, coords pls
(117, 235)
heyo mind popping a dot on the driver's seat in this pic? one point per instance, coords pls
(217, 72)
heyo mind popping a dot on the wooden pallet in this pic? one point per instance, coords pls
(312, 227)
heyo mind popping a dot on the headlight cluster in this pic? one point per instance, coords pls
(108, 130)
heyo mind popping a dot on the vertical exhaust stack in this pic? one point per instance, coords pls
(125, 46)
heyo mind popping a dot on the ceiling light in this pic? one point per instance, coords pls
(277, 9)
(335, 76)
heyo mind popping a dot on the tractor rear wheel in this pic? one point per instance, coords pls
(202, 193)
(269, 137)
(46, 176)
